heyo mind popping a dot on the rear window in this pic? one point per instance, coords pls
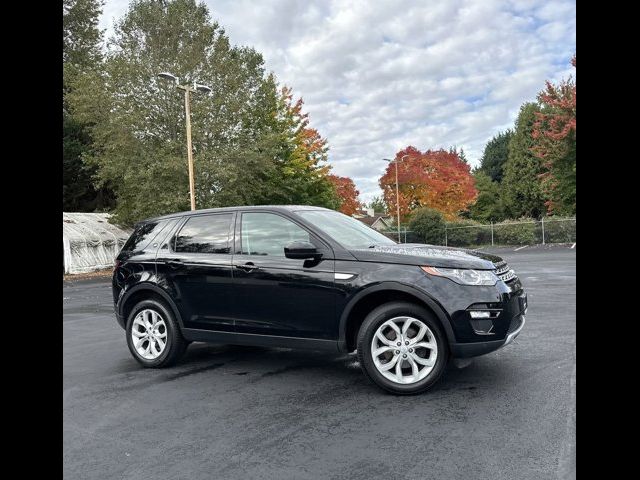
(205, 234)
(143, 235)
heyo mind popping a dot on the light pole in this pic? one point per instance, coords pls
(196, 87)
(397, 192)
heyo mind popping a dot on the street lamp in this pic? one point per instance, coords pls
(397, 191)
(196, 87)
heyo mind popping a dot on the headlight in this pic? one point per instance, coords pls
(464, 276)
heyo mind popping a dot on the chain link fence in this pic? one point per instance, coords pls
(507, 233)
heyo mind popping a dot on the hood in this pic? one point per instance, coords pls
(431, 255)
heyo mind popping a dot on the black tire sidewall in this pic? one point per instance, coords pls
(173, 333)
(368, 329)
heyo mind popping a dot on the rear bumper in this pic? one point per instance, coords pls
(474, 349)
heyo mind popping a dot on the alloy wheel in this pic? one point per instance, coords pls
(404, 350)
(149, 334)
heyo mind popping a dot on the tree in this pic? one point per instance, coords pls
(378, 205)
(489, 205)
(522, 187)
(495, 155)
(348, 194)
(252, 144)
(302, 172)
(429, 224)
(81, 52)
(436, 178)
(81, 36)
(554, 133)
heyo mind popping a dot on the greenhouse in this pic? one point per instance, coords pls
(90, 242)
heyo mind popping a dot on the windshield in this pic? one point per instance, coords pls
(347, 231)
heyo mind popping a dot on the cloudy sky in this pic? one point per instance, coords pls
(377, 76)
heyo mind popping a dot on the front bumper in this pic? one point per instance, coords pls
(474, 349)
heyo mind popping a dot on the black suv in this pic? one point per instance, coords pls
(308, 277)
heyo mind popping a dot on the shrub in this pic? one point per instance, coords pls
(559, 230)
(428, 224)
(515, 232)
(463, 237)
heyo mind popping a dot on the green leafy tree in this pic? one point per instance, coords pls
(301, 174)
(248, 144)
(81, 53)
(489, 205)
(523, 193)
(428, 224)
(378, 205)
(495, 155)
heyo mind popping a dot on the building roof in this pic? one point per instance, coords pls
(372, 220)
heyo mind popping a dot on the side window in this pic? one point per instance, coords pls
(143, 235)
(267, 234)
(205, 234)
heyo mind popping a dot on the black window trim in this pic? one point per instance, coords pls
(230, 237)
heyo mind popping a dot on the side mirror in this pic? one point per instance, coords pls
(301, 250)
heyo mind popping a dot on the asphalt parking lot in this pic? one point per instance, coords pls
(240, 412)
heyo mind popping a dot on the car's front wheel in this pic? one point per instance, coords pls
(401, 348)
(153, 335)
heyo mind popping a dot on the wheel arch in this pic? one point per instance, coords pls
(145, 291)
(363, 302)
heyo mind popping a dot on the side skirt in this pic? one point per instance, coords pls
(234, 338)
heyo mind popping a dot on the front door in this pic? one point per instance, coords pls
(196, 263)
(276, 295)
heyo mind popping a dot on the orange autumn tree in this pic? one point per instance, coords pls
(438, 179)
(348, 194)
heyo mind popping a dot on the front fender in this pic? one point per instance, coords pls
(432, 303)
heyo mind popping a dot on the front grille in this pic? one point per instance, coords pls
(503, 271)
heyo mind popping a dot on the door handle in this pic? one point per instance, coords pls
(248, 267)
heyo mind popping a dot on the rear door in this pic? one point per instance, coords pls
(196, 266)
(277, 295)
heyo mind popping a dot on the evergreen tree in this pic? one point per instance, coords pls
(495, 155)
(523, 192)
(489, 205)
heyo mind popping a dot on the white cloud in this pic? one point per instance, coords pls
(378, 76)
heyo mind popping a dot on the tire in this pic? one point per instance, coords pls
(174, 345)
(431, 346)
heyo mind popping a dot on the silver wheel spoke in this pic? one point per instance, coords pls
(137, 334)
(381, 350)
(384, 339)
(389, 365)
(394, 327)
(146, 318)
(414, 367)
(161, 335)
(399, 376)
(419, 336)
(427, 362)
(429, 345)
(406, 326)
(161, 343)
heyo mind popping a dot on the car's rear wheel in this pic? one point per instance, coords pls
(153, 335)
(401, 348)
